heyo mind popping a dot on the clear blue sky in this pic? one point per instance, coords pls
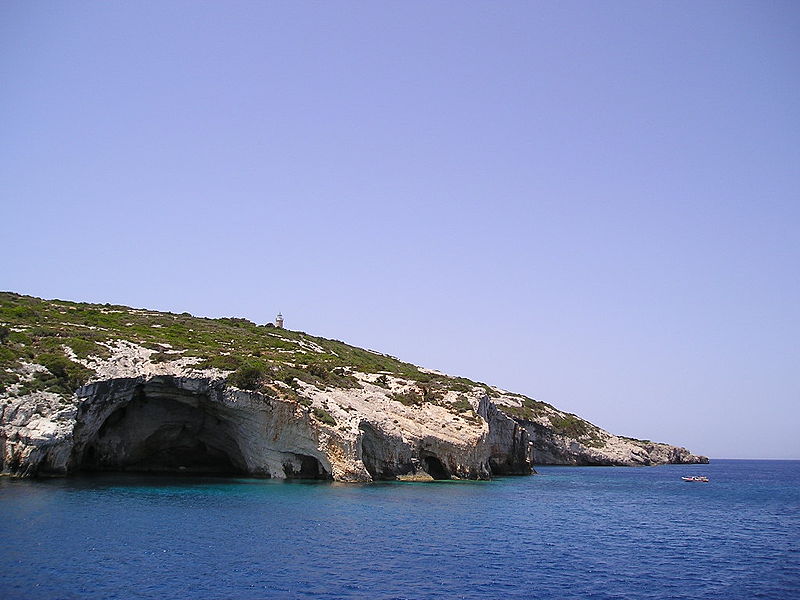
(596, 204)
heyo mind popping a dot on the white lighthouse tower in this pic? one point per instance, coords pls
(279, 321)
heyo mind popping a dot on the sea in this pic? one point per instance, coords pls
(568, 532)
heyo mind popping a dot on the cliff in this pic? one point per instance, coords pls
(561, 438)
(99, 387)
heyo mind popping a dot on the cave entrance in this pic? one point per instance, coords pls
(435, 468)
(302, 466)
(165, 430)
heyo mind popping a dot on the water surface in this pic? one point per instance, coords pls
(570, 532)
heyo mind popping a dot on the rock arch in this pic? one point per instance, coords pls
(183, 425)
(164, 433)
(434, 467)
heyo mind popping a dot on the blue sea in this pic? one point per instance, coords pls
(569, 532)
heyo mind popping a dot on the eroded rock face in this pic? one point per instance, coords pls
(550, 448)
(140, 415)
(168, 423)
(560, 438)
(162, 434)
(510, 444)
(159, 401)
(384, 455)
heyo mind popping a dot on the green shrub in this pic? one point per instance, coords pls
(430, 393)
(323, 416)
(247, 377)
(56, 364)
(529, 410)
(82, 348)
(423, 377)
(318, 370)
(160, 357)
(22, 312)
(7, 355)
(569, 425)
(237, 321)
(43, 332)
(69, 375)
(17, 337)
(408, 398)
(226, 362)
(290, 375)
(460, 386)
(462, 405)
(7, 380)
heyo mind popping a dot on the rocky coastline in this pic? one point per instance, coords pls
(148, 407)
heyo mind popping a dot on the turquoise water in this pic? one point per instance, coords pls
(570, 532)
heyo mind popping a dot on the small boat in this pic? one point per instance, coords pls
(702, 478)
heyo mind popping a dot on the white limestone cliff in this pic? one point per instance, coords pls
(143, 415)
(170, 416)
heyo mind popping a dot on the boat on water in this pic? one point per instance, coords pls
(701, 478)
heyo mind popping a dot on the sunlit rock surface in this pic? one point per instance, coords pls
(88, 387)
(561, 438)
(157, 421)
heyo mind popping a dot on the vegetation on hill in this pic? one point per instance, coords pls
(48, 332)
(52, 333)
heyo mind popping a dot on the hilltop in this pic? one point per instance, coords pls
(67, 368)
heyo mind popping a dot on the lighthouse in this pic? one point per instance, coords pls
(279, 321)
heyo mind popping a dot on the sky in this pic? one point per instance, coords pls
(594, 204)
